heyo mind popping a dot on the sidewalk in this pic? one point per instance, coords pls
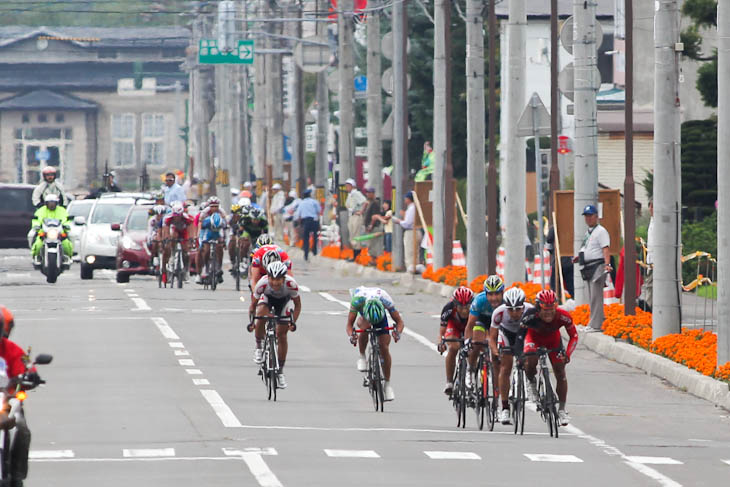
(715, 391)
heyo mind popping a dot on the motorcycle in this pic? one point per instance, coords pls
(53, 261)
(14, 393)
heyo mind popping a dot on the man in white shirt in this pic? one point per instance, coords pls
(595, 262)
(277, 204)
(406, 223)
(356, 203)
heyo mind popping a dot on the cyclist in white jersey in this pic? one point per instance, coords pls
(272, 296)
(505, 341)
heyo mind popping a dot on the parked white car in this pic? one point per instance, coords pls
(78, 208)
(98, 247)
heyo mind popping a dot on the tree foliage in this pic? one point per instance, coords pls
(699, 167)
(703, 14)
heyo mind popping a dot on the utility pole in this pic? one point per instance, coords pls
(260, 100)
(346, 71)
(586, 133)
(321, 168)
(629, 217)
(275, 150)
(723, 182)
(666, 316)
(476, 257)
(245, 161)
(298, 145)
(374, 102)
(514, 194)
(442, 227)
(492, 206)
(554, 106)
(400, 122)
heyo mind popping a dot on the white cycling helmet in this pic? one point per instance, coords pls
(514, 298)
(51, 198)
(276, 269)
(270, 257)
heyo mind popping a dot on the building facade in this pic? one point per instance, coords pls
(87, 100)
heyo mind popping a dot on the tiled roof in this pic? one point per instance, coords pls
(46, 100)
(108, 36)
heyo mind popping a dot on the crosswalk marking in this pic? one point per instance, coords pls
(43, 454)
(654, 460)
(176, 345)
(182, 353)
(148, 452)
(186, 362)
(194, 371)
(546, 457)
(351, 453)
(201, 382)
(452, 455)
(305, 288)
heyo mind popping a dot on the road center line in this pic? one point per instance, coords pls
(50, 454)
(305, 288)
(165, 329)
(141, 305)
(452, 455)
(256, 464)
(546, 457)
(220, 408)
(148, 452)
(351, 453)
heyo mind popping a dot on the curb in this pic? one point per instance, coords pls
(685, 379)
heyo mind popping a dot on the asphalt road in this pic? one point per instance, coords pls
(156, 387)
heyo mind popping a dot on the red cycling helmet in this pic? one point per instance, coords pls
(7, 321)
(546, 299)
(463, 295)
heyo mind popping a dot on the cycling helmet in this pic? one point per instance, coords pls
(462, 295)
(177, 208)
(244, 201)
(514, 298)
(494, 284)
(235, 208)
(264, 239)
(49, 170)
(276, 269)
(256, 212)
(373, 311)
(51, 198)
(269, 257)
(214, 200)
(159, 195)
(158, 210)
(216, 221)
(546, 299)
(7, 321)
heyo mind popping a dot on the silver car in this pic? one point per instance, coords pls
(98, 247)
(78, 208)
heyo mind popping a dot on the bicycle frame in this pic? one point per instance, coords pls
(269, 367)
(374, 379)
(547, 401)
(459, 395)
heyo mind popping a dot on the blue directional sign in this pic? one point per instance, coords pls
(361, 83)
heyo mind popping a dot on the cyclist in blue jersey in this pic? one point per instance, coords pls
(480, 319)
(371, 304)
(212, 225)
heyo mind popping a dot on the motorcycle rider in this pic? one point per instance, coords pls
(15, 359)
(49, 185)
(52, 210)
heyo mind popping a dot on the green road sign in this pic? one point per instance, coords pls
(210, 54)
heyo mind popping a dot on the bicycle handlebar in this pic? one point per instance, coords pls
(544, 351)
(371, 330)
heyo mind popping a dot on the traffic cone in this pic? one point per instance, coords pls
(429, 257)
(609, 292)
(500, 262)
(457, 254)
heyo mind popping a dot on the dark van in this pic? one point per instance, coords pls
(16, 213)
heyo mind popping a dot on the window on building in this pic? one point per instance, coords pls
(60, 118)
(122, 125)
(153, 138)
(42, 118)
(26, 118)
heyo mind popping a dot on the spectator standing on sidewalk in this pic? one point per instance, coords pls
(277, 205)
(386, 218)
(307, 214)
(595, 262)
(407, 222)
(356, 205)
(372, 224)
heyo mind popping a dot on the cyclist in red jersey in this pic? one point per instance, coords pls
(543, 330)
(259, 264)
(178, 224)
(454, 317)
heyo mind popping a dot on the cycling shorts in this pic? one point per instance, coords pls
(280, 306)
(484, 322)
(381, 328)
(534, 340)
(182, 234)
(454, 328)
(509, 342)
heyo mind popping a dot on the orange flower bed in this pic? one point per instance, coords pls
(477, 284)
(384, 262)
(331, 251)
(347, 254)
(696, 349)
(364, 258)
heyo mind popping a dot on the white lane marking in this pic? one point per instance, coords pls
(452, 455)
(243, 300)
(201, 382)
(389, 430)
(700, 440)
(176, 345)
(16, 275)
(435, 316)
(351, 453)
(91, 298)
(131, 295)
(661, 479)
(186, 362)
(407, 331)
(654, 460)
(129, 290)
(220, 408)
(726, 461)
(179, 353)
(165, 329)
(256, 464)
(305, 288)
(236, 452)
(546, 457)
(141, 305)
(194, 371)
(49, 454)
(143, 459)
(148, 452)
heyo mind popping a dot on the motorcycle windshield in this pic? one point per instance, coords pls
(51, 222)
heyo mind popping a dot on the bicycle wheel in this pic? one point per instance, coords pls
(159, 269)
(375, 385)
(492, 392)
(272, 367)
(521, 399)
(179, 266)
(461, 397)
(482, 400)
(542, 389)
(237, 268)
(213, 276)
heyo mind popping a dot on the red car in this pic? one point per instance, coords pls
(133, 256)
